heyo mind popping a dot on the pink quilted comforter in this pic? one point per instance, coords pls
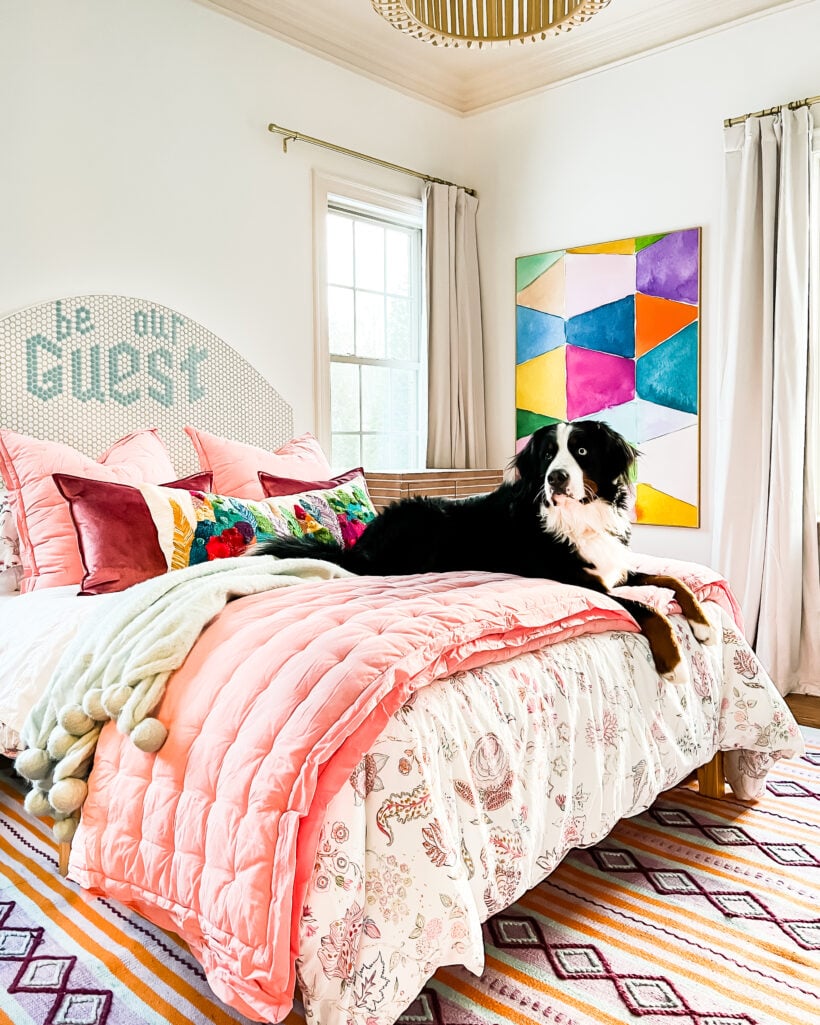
(214, 837)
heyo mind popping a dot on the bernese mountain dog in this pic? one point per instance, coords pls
(564, 518)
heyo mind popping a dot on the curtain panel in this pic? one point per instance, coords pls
(766, 540)
(456, 436)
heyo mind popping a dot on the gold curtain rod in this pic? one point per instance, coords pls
(290, 136)
(809, 100)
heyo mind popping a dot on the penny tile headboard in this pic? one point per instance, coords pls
(89, 369)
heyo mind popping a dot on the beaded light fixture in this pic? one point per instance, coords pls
(484, 22)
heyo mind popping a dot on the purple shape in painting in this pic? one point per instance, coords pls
(596, 381)
(669, 268)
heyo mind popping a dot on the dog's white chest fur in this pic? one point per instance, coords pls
(598, 531)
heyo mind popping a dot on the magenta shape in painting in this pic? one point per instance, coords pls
(596, 381)
(669, 267)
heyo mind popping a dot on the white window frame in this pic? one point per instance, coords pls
(399, 208)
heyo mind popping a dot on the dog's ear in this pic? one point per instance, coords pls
(622, 453)
(529, 463)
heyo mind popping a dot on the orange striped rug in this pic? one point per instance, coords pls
(704, 911)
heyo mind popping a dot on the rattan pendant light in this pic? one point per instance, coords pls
(484, 22)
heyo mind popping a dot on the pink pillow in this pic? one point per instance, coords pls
(48, 544)
(115, 531)
(235, 465)
(276, 487)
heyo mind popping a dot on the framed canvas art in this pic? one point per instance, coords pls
(612, 332)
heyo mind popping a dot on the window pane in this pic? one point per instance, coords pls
(369, 256)
(397, 251)
(345, 452)
(401, 342)
(404, 399)
(344, 397)
(340, 320)
(369, 325)
(376, 452)
(404, 451)
(375, 398)
(339, 250)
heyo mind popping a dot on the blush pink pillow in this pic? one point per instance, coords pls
(48, 544)
(236, 466)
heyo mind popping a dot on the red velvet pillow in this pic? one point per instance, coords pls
(116, 559)
(276, 487)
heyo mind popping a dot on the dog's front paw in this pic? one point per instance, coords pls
(705, 633)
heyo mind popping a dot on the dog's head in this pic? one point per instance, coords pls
(580, 461)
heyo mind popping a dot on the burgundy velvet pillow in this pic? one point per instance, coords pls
(129, 553)
(277, 487)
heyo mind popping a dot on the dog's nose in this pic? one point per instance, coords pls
(557, 479)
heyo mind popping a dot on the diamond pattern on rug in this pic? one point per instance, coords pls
(733, 904)
(784, 854)
(38, 975)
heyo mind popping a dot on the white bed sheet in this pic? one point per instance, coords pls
(34, 630)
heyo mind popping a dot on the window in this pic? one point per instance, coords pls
(371, 365)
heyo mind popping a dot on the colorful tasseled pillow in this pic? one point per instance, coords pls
(116, 535)
(195, 527)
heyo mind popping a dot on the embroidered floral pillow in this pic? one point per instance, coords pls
(195, 527)
(11, 568)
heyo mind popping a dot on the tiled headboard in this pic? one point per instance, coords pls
(89, 369)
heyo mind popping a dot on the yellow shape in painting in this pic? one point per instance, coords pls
(547, 293)
(541, 384)
(653, 506)
(622, 247)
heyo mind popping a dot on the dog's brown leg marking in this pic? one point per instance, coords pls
(690, 606)
(663, 644)
(654, 626)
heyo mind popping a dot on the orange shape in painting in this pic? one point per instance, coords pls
(658, 319)
(620, 247)
(547, 293)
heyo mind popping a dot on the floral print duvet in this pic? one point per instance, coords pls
(480, 785)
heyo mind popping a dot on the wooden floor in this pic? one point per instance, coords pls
(805, 708)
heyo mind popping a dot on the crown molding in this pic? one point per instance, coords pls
(465, 82)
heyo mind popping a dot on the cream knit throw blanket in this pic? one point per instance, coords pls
(117, 668)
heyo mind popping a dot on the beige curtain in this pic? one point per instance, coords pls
(456, 424)
(767, 454)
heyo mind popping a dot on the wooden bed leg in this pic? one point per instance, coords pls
(64, 850)
(711, 781)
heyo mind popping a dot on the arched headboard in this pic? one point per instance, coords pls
(86, 370)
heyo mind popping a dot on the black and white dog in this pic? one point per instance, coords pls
(564, 518)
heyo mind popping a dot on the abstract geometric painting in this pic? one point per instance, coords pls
(611, 332)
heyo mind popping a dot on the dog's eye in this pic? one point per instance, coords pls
(582, 451)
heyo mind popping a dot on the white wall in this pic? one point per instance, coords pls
(135, 160)
(632, 150)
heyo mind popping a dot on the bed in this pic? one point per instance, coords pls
(485, 726)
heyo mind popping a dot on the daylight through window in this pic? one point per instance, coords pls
(375, 338)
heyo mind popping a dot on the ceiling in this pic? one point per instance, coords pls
(350, 33)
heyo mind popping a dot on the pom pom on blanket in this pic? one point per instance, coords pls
(149, 735)
(118, 668)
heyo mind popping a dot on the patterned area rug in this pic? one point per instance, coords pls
(699, 910)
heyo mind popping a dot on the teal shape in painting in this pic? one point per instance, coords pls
(668, 374)
(608, 328)
(536, 333)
